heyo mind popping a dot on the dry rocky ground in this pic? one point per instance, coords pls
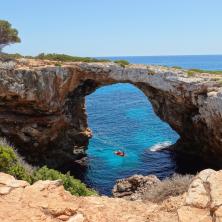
(48, 201)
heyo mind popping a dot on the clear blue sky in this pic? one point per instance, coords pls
(116, 27)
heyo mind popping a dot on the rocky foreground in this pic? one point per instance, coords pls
(48, 201)
(42, 106)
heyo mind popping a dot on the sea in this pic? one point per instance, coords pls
(122, 118)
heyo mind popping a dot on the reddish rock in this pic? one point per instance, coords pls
(48, 201)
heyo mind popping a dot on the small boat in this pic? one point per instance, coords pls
(119, 153)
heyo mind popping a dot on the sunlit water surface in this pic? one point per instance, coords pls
(121, 117)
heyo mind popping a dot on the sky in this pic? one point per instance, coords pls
(115, 27)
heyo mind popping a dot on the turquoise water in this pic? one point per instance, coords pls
(121, 117)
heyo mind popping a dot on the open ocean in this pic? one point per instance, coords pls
(121, 117)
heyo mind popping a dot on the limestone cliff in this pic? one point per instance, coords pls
(42, 106)
(48, 201)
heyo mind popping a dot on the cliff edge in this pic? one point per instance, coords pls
(48, 201)
(42, 106)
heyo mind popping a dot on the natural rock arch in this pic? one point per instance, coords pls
(42, 107)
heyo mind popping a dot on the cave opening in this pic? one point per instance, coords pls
(121, 118)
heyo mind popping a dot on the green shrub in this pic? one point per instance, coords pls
(58, 64)
(12, 163)
(7, 157)
(122, 63)
(177, 67)
(190, 73)
(68, 58)
(20, 173)
(9, 163)
(53, 57)
(8, 57)
(193, 71)
(74, 186)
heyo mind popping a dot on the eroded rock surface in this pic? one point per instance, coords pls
(134, 187)
(48, 201)
(42, 106)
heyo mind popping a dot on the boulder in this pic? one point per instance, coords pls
(133, 187)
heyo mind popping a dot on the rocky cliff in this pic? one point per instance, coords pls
(48, 201)
(42, 106)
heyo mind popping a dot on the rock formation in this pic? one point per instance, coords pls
(134, 187)
(42, 106)
(48, 201)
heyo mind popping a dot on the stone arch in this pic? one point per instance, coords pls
(42, 109)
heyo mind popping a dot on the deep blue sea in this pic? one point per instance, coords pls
(121, 117)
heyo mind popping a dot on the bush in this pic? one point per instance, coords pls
(12, 163)
(7, 157)
(67, 58)
(174, 186)
(9, 163)
(52, 57)
(191, 72)
(20, 173)
(58, 64)
(74, 186)
(122, 63)
(177, 67)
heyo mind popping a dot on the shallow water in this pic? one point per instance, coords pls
(121, 117)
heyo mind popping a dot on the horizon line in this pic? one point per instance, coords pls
(113, 56)
(156, 55)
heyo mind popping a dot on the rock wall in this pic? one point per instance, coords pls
(42, 106)
(48, 201)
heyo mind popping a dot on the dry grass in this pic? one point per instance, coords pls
(174, 186)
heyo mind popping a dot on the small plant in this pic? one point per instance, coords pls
(20, 173)
(74, 186)
(58, 64)
(174, 186)
(122, 63)
(190, 73)
(12, 163)
(9, 163)
(67, 58)
(7, 157)
(177, 67)
(193, 71)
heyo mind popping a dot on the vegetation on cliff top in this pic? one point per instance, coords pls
(122, 63)
(13, 164)
(60, 58)
(68, 58)
(191, 72)
(8, 35)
